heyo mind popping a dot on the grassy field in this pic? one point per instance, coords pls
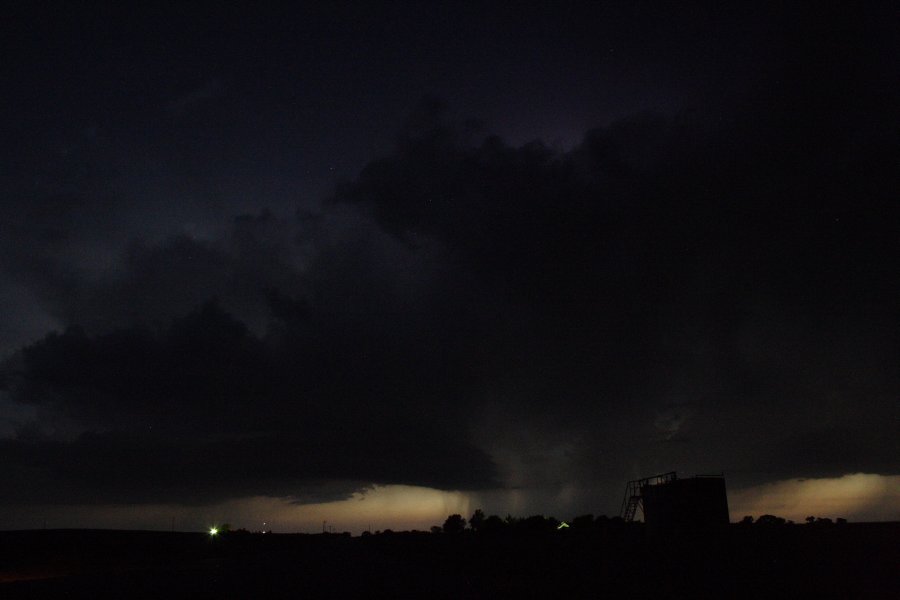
(847, 561)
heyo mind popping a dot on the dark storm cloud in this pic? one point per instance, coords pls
(619, 301)
(206, 410)
(348, 378)
(710, 288)
(210, 90)
(740, 255)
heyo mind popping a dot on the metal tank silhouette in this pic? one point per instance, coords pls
(666, 501)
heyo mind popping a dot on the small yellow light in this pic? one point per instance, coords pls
(213, 531)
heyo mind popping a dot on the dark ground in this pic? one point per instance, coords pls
(856, 560)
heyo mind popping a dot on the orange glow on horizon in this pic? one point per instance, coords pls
(855, 497)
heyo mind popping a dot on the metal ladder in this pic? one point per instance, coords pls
(632, 499)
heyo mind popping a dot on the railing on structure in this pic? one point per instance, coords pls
(632, 499)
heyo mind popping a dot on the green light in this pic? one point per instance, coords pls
(213, 531)
(563, 525)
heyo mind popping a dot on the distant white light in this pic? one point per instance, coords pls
(213, 531)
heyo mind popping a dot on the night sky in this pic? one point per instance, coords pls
(377, 264)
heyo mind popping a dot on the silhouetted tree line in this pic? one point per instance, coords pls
(479, 523)
(773, 521)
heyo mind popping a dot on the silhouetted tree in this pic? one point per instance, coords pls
(538, 523)
(477, 520)
(583, 522)
(770, 520)
(492, 524)
(748, 520)
(436, 529)
(454, 524)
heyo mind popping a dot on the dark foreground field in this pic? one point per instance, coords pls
(848, 561)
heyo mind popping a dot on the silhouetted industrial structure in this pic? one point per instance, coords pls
(667, 501)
